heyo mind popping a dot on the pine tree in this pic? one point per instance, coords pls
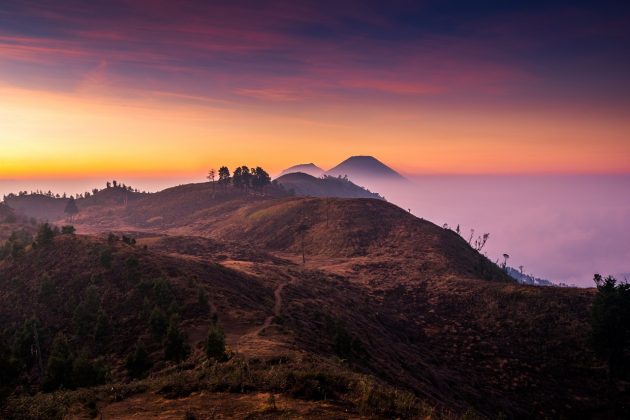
(215, 344)
(138, 362)
(71, 208)
(175, 346)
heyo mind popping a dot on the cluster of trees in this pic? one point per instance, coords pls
(116, 184)
(19, 240)
(72, 357)
(243, 178)
(86, 194)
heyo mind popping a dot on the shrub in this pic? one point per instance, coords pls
(68, 230)
(87, 373)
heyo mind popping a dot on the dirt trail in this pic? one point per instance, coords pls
(255, 335)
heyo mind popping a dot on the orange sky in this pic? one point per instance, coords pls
(46, 134)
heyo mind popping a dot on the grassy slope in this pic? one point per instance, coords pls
(412, 294)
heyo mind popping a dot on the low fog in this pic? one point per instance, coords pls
(560, 228)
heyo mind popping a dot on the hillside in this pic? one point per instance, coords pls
(389, 316)
(305, 168)
(47, 207)
(302, 184)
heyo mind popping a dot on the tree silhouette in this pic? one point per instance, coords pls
(211, 174)
(301, 230)
(610, 320)
(45, 234)
(71, 208)
(260, 178)
(237, 178)
(224, 176)
(246, 177)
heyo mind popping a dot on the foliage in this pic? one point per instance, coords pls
(215, 344)
(610, 321)
(16, 244)
(103, 329)
(158, 323)
(67, 230)
(45, 234)
(71, 207)
(138, 362)
(105, 258)
(67, 370)
(59, 366)
(175, 346)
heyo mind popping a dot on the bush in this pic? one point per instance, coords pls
(68, 230)
(87, 373)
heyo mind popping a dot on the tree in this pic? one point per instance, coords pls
(138, 362)
(175, 346)
(505, 260)
(246, 177)
(45, 234)
(237, 178)
(610, 321)
(211, 175)
(215, 344)
(59, 366)
(301, 230)
(158, 324)
(260, 178)
(87, 373)
(224, 177)
(71, 208)
(103, 328)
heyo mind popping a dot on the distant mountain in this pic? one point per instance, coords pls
(305, 168)
(527, 279)
(302, 184)
(361, 168)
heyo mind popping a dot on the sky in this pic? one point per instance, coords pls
(161, 88)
